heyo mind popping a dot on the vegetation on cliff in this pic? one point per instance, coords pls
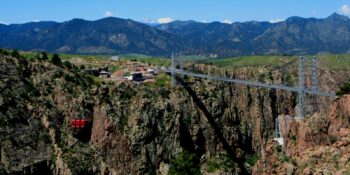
(345, 89)
(198, 126)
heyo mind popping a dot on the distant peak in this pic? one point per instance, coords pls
(335, 15)
(295, 19)
(78, 19)
(111, 18)
(338, 17)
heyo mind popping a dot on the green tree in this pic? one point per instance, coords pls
(67, 64)
(44, 56)
(5, 52)
(184, 164)
(56, 60)
(82, 67)
(37, 56)
(15, 53)
(345, 89)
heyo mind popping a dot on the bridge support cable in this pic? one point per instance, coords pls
(314, 81)
(249, 83)
(181, 62)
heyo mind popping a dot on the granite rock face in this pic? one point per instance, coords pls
(319, 144)
(211, 126)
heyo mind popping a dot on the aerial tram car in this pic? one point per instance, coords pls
(77, 121)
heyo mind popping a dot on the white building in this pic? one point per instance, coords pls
(115, 58)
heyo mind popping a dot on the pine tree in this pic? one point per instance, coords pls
(37, 56)
(44, 56)
(15, 53)
(56, 60)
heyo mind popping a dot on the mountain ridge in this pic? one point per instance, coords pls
(111, 35)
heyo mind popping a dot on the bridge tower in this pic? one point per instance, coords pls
(173, 81)
(314, 81)
(301, 87)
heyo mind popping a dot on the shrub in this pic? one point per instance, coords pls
(58, 74)
(75, 68)
(162, 80)
(164, 93)
(184, 164)
(93, 80)
(67, 64)
(213, 165)
(4, 52)
(44, 56)
(251, 159)
(15, 53)
(37, 56)
(285, 158)
(56, 60)
(82, 67)
(69, 78)
(227, 162)
(345, 89)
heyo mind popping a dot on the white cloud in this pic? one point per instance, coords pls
(227, 21)
(345, 10)
(313, 11)
(276, 20)
(164, 20)
(36, 20)
(108, 14)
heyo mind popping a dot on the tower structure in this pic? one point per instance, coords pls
(301, 87)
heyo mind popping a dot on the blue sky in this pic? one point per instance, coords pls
(20, 11)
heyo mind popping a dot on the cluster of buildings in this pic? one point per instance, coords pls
(131, 72)
(141, 73)
(101, 72)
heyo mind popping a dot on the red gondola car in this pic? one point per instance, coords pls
(77, 123)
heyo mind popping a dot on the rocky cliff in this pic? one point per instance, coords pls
(319, 144)
(198, 127)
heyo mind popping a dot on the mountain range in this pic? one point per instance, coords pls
(112, 35)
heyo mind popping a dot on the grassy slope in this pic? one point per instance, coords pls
(333, 62)
(152, 61)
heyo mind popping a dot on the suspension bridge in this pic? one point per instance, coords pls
(300, 89)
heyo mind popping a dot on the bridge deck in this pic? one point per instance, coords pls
(250, 83)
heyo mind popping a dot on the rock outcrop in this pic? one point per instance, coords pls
(204, 125)
(319, 144)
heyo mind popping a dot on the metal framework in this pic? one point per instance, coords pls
(314, 81)
(249, 83)
(301, 88)
(277, 129)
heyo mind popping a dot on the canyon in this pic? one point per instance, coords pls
(197, 127)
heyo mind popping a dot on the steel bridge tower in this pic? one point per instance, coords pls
(301, 87)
